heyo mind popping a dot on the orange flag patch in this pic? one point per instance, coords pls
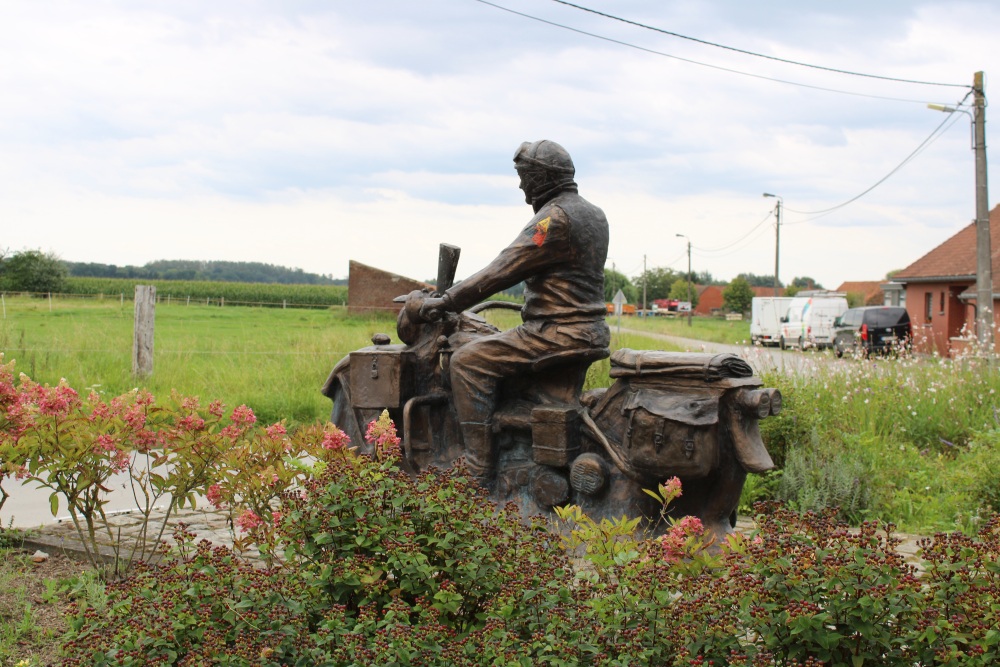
(541, 231)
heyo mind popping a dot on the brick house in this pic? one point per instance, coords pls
(372, 290)
(940, 289)
(709, 299)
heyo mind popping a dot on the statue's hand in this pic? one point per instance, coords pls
(432, 309)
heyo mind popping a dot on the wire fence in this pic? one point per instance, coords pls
(173, 299)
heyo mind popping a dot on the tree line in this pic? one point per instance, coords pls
(666, 283)
(37, 271)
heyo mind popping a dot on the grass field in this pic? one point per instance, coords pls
(711, 329)
(274, 360)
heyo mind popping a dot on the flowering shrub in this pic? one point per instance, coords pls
(168, 454)
(382, 568)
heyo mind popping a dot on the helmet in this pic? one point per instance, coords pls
(545, 154)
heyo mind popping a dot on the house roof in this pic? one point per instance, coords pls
(868, 289)
(956, 257)
(767, 291)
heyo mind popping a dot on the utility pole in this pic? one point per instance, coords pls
(690, 300)
(777, 240)
(984, 268)
(644, 286)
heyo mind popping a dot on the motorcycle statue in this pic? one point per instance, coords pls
(690, 415)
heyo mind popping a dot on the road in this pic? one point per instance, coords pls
(761, 359)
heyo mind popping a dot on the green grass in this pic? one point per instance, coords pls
(919, 437)
(712, 329)
(274, 360)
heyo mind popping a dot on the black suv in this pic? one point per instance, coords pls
(872, 329)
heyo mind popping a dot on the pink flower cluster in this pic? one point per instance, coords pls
(674, 543)
(214, 495)
(334, 439)
(381, 432)
(276, 431)
(243, 416)
(249, 521)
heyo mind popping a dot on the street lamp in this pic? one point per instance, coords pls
(690, 300)
(984, 267)
(777, 237)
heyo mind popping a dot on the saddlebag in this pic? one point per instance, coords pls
(661, 418)
(668, 434)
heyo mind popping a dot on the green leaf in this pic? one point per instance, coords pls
(54, 503)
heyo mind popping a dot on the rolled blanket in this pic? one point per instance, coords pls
(694, 365)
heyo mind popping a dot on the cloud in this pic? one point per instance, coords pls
(311, 133)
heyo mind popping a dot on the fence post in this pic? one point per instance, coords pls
(189, 300)
(284, 304)
(142, 340)
(222, 301)
(50, 302)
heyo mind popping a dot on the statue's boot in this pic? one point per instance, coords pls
(479, 458)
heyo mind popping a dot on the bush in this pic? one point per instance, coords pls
(32, 271)
(821, 476)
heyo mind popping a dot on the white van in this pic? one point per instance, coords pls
(765, 318)
(809, 322)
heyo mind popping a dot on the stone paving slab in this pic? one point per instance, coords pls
(62, 535)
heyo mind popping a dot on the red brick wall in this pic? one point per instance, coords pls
(710, 299)
(372, 290)
(935, 326)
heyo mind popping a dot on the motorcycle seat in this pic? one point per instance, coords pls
(567, 357)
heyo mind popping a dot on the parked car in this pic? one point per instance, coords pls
(809, 321)
(765, 318)
(878, 329)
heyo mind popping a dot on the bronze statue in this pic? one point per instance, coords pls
(560, 256)
(511, 403)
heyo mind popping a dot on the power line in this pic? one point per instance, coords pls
(752, 53)
(730, 245)
(695, 62)
(740, 248)
(924, 144)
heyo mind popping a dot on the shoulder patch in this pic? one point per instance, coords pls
(541, 231)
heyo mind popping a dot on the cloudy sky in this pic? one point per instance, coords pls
(308, 133)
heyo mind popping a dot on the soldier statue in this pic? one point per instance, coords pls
(560, 256)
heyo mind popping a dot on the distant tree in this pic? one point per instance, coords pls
(705, 278)
(658, 283)
(791, 290)
(855, 299)
(759, 281)
(33, 271)
(679, 291)
(738, 296)
(805, 282)
(614, 281)
(185, 269)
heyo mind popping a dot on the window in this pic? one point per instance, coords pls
(928, 306)
(942, 303)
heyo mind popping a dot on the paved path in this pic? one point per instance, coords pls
(761, 359)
